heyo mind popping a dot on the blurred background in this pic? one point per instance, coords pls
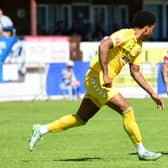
(47, 33)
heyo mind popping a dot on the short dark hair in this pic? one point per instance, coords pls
(143, 18)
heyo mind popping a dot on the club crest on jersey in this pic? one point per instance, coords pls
(118, 40)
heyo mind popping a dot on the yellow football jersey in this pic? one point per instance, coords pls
(126, 49)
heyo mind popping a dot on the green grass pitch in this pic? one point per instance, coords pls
(101, 143)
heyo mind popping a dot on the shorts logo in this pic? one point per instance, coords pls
(97, 87)
(125, 59)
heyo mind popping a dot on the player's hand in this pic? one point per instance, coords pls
(107, 82)
(108, 85)
(159, 102)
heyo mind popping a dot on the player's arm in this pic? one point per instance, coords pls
(104, 47)
(139, 78)
(164, 72)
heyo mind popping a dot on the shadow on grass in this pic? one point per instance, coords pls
(85, 159)
(79, 159)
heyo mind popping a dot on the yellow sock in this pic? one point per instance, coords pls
(131, 126)
(64, 123)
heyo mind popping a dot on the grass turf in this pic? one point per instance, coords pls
(101, 143)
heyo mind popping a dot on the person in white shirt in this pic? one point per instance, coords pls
(6, 24)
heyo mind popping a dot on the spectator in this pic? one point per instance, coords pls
(78, 25)
(69, 82)
(75, 29)
(164, 71)
(6, 25)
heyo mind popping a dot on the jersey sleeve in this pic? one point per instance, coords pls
(137, 60)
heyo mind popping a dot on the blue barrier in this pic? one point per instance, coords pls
(160, 84)
(54, 76)
(6, 44)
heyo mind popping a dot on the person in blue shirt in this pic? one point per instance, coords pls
(69, 82)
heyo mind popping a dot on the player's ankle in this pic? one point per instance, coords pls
(140, 149)
(43, 129)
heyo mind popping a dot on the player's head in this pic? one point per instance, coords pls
(143, 18)
(146, 21)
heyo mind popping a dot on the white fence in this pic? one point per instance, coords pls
(29, 85)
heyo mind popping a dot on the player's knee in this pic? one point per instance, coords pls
(79, 120)
(128, 110)
(128, 116)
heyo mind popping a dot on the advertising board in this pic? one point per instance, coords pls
(46, 49)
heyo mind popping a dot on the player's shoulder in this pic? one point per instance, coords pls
(126, 33)
(122, 35)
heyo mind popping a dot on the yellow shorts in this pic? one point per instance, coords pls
(94, 88)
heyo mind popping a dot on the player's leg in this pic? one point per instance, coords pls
(86, 110)
(120, 104)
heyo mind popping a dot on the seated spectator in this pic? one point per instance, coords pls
(69, 82)
(6, 25)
